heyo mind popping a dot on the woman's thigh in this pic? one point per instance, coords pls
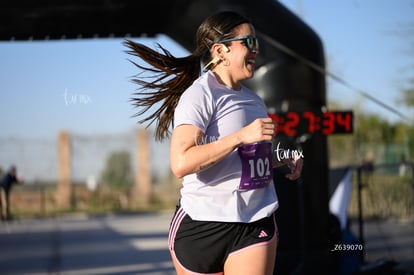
(255, 260)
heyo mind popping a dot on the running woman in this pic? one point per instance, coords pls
(221, 147)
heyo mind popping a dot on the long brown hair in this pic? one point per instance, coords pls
(172, 75)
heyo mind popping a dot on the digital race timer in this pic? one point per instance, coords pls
(326, 123)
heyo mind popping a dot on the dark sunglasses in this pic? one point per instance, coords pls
(251, 42)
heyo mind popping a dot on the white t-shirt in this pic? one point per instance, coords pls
(214, 194)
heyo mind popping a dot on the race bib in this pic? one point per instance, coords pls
(257, 169)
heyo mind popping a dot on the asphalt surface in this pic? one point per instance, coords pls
(137, 244)
(125, 244)
(390, 240)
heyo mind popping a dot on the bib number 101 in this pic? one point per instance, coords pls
(259, 167)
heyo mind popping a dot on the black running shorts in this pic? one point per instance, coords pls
(203, 246)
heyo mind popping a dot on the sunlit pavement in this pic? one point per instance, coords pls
(122, 244)
(137, 244)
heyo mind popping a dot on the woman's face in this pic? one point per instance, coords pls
(242, 59)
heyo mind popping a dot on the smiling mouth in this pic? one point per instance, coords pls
(251, 61)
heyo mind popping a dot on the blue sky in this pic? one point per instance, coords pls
(363, 48)
(83, 85)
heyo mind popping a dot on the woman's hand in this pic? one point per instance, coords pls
(295, 165)
(260, 129)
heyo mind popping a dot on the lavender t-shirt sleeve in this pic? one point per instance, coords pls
(195, 107)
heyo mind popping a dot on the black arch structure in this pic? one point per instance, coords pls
(286, 83)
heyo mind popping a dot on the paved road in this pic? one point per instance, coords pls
(390, 240)
(137, 244)
(126, 244)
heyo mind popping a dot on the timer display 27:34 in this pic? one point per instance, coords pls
(326, 123)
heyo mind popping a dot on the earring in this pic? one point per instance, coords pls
(226, 62)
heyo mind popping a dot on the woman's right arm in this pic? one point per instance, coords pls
(188, 155)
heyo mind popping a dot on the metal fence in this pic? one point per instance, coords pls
(37, 159)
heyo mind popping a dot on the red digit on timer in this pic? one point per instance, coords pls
(291, 124)
(286, 124)
(311, 121)
(344, 119)
(328, 123)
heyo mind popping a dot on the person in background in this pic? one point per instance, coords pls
(221, 147)
(6, 184)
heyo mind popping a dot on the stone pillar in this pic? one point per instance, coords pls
(63, 191)
(142, 188)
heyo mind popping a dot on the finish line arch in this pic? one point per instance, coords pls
(285, 82)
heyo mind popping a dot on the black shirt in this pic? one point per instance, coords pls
(7, 181)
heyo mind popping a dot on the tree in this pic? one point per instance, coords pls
(407, 94)
(407, 91)
(117, 172)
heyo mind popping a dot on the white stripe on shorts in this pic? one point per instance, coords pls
(175, 224)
